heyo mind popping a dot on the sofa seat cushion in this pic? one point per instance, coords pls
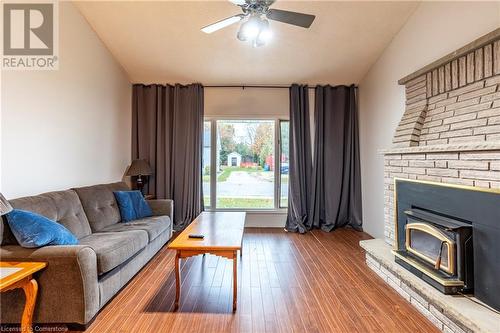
(154, 226)
(114, 248)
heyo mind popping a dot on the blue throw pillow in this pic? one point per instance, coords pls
(132, 205)
(34, 230)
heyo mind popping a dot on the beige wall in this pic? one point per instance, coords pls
(434, 30)
(248, 102)
(69, 127)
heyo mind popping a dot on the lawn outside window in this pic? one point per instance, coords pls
(240, 171)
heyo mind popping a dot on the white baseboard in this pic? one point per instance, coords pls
(265, 220)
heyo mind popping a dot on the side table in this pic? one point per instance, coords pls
(15, 275)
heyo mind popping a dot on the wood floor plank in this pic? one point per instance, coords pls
(317, 282)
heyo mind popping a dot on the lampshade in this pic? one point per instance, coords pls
(139, 168)
(5, 206)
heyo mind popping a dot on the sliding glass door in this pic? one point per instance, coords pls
(240, 171)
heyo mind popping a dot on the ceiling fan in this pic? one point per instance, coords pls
(256, 14)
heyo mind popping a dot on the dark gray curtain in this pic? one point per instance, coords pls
(336, 179)
(300, 165)
(167, 125)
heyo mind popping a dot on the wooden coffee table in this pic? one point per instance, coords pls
(223, 233)
(15, 275)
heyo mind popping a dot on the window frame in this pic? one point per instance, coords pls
(277, 164)
(278, 132)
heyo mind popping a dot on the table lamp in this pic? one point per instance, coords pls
(140, 169)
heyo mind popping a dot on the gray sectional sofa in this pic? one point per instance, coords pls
(80, 279)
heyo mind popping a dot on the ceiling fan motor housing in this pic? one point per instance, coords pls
(253, 7)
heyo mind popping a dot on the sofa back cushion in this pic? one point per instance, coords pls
(100, 205)
(64, 207)
(34, 230)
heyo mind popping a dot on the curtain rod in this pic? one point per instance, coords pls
(256, 86)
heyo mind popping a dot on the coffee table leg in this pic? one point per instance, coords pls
(177, 279)
(30, 290)
(235, 276)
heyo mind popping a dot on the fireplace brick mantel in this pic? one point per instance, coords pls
(455, 99)
(450, 130)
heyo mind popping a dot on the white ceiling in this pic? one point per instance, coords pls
(161, 41)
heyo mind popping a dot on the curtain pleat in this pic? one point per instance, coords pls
(324, 178)
(336, 178)
(167, 124)
(300, 163)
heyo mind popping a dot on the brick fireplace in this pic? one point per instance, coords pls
(450, 131)
(448, 134)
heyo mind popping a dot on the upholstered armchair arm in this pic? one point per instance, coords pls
(68, 291)
(162, 207)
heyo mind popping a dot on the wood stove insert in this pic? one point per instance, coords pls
(441, 244)
(449, 236)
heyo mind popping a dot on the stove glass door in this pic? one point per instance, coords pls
(430, 244)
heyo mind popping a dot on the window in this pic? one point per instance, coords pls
(206, 160)
(239, 165)
(245, 175)
(284, 159)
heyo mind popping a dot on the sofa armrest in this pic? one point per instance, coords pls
(162, 207)
(68, 287)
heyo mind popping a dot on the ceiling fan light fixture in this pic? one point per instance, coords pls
(241, 36)
(265, 34)
(255, 30)
(250, 29)
(257, 43)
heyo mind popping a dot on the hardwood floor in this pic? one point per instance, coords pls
(317, 282)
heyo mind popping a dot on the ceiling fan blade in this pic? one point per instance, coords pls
(285, 16)
(222, 23)
(238, 2)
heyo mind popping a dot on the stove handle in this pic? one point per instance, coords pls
(437, 265)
